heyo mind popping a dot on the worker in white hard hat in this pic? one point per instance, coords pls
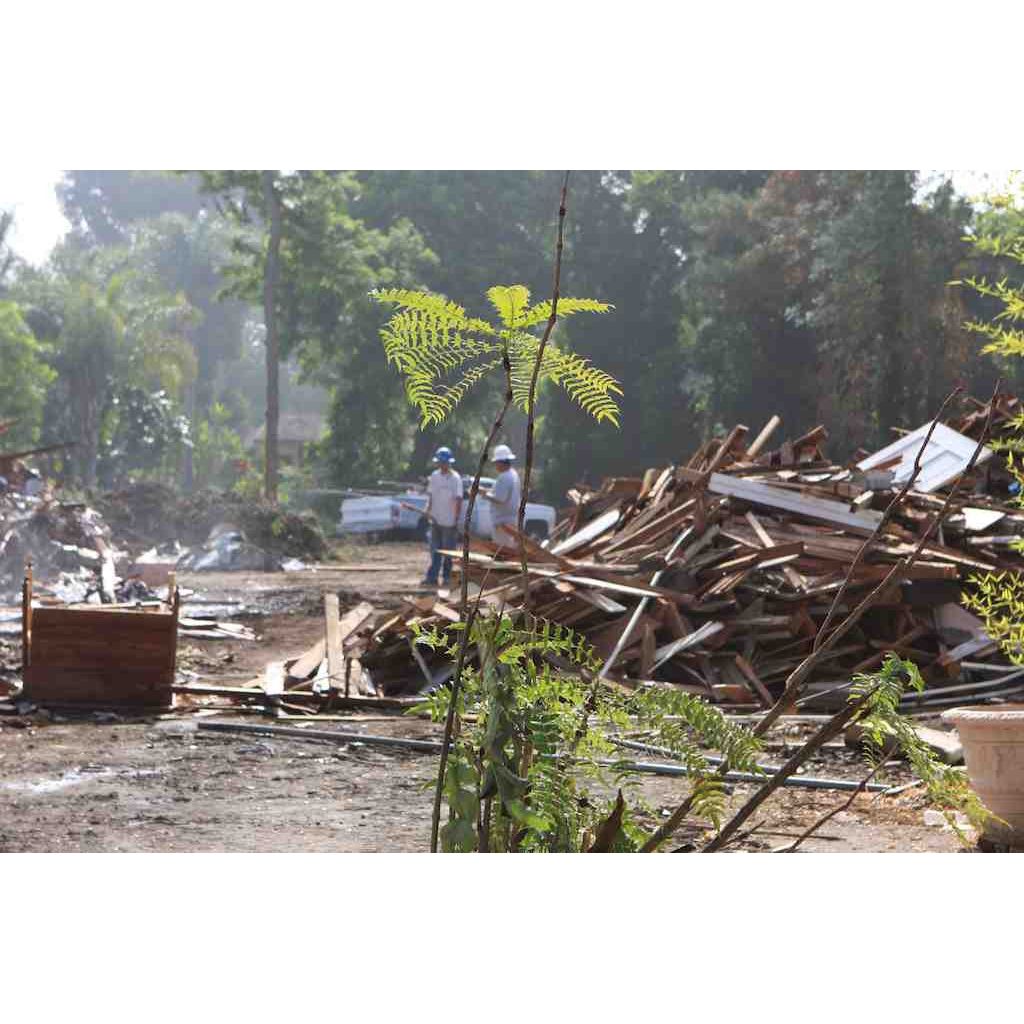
(444, 507)
(504, 497)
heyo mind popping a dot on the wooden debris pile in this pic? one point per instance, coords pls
(327, 677)
(715, 575)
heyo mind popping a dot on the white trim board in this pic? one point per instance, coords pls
(812, 508)
(944, 459)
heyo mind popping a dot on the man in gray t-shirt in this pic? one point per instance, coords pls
(504, 497)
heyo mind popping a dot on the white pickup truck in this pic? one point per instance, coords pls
(378, 515)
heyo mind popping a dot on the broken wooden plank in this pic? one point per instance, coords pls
(757, 493)
(766, 432)
(590, 532)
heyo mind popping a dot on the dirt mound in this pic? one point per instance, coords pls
(146, 514)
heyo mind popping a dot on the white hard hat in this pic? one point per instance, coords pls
(502, 454)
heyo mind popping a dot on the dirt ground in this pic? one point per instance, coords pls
(107, 783)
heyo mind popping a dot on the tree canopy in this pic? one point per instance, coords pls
(823, 296)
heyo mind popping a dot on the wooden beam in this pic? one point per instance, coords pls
(811, 508)
(766, 431)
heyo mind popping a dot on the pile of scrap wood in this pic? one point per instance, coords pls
(328, 676)
(715, 575)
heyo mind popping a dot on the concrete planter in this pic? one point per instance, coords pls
(993, 740)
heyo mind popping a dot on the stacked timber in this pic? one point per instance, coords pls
(716, 575)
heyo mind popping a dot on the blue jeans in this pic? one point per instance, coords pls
(441, 537)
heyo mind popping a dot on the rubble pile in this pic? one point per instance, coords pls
(68, 543)
(148, 514)
(715, 575)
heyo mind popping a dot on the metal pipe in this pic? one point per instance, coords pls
(796, 781)
(768, 769)
(432, 747)
(426, 746)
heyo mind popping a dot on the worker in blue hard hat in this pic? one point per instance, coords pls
(444, 507)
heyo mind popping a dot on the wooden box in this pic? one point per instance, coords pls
(99, 656)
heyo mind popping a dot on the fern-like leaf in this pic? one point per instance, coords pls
(540, 313)
(592, 389)
(436, 401)
(435, 306)
(510, 301)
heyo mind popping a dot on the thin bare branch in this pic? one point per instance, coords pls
(803, 670)
(884, 521)
(531, 400)
(468, 620)
(838, 721)
(845, 806)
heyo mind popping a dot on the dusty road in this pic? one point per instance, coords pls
(105, 783)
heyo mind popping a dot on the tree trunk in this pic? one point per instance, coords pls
(187, 460)
(270, 276)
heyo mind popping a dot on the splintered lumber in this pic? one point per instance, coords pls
(588, 533)
(336, 632)
(766, 432)
(810, 508)
(305, 666)
(715, 574)
(764, 537)
(698, 636)
(332, 639)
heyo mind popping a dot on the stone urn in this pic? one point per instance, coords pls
(993, 741)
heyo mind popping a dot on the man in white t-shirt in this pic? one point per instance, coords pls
(504, 497)
(444, 507)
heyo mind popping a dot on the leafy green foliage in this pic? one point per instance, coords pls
(687, 725)
(330, 260)
(218, 453)
(143, 433)
(997, 598)
(1002, 239)
(24, 379)
(117, 342)
(529, 749)
(540, 741)
(884, 727)
(431, 338)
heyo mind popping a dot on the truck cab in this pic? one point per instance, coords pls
(402, 514)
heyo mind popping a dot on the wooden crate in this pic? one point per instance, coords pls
(98, 656)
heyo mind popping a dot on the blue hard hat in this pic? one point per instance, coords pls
(444, 455)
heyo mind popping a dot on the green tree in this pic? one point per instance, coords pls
(104, 207)
(24, 379)
(106, 333)
(7, 257)
(483, 226)
(329, 262)
(822, 296)
(626, 250)
(157, 225)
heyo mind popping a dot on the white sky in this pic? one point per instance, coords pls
(39, 224)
